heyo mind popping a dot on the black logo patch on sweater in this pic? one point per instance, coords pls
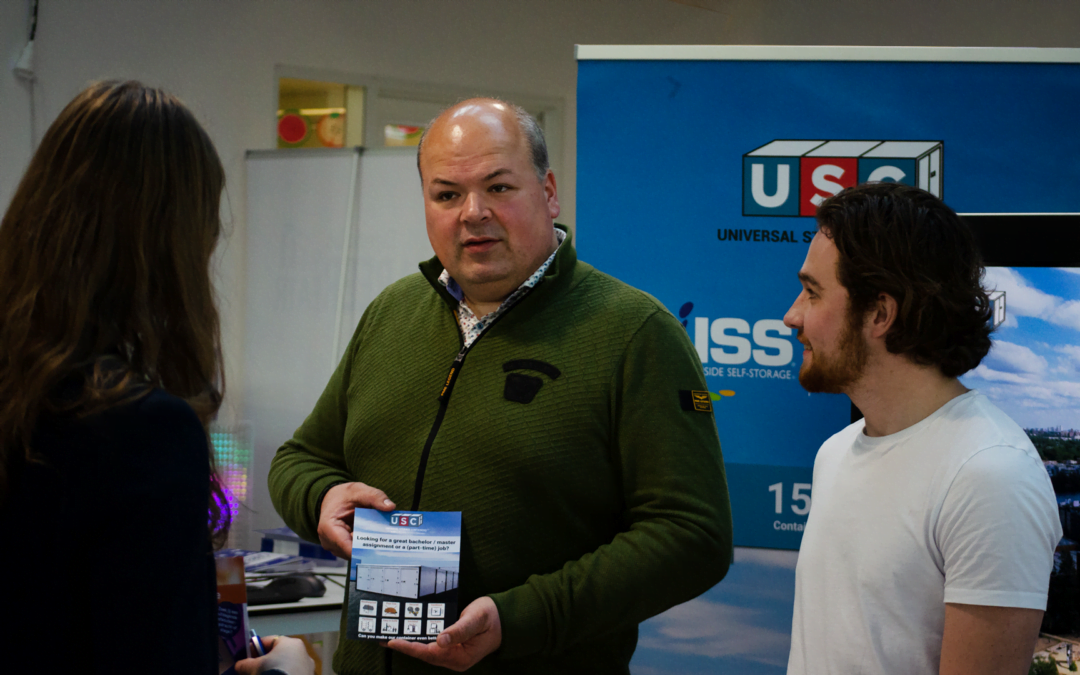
(521, 388)
(695, 401)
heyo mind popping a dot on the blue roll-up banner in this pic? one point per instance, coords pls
(699, 170)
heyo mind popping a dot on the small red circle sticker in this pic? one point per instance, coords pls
(292, 128)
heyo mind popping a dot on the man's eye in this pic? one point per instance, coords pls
(445, 196)
(499, 188)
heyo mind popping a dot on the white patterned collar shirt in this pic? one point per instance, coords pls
(471, 326)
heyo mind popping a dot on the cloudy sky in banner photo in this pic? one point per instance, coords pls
(1033, 370)
(741, 626)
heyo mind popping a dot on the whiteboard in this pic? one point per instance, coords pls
(327, 230)
(392, 236)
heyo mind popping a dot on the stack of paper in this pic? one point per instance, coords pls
(261, 561)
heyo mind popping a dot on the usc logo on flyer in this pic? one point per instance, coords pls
(407, 519)
(792, 177)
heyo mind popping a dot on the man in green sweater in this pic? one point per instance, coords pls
(563, 412)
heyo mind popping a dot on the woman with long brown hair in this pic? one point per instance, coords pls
(110, 370)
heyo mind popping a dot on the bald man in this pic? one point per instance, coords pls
(591, 486)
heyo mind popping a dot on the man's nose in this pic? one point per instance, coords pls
(793, 317)
(474, 209)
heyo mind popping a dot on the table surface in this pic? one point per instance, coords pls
(307, 615)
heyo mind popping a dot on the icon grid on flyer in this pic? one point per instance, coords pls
(412, 626)
(391, 609)
(369, 608)
(434, 627)
(389, 627)
(436, 610)
(414, 609)
(367, 625)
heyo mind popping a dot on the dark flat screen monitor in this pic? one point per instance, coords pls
(1033, 270)
(1033, 370)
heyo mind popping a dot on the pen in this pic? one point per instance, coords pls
(257, 644)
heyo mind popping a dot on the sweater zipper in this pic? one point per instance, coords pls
(444, 400)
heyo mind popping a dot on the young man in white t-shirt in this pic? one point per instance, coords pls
(931, 539)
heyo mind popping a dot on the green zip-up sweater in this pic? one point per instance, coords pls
(598, 503)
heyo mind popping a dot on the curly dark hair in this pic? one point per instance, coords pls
(905, 242)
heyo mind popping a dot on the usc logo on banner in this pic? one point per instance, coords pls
(792, 177)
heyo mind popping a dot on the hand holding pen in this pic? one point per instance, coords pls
(278, 655)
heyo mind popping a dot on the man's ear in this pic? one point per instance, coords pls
(882, 315)
(552, 194)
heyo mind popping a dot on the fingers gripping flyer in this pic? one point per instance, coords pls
(403, 577)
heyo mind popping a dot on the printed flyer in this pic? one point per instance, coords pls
(403, 578)
(232, 613)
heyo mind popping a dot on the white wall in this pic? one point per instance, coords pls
(15, 141)
(219, 56)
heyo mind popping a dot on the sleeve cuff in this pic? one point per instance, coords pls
(315, 499)
(1021, 599)
(524, 622)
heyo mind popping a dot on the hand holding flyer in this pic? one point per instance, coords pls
(403, 576)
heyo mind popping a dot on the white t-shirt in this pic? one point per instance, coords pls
(957, 508)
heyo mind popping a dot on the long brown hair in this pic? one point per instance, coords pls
(104, 268)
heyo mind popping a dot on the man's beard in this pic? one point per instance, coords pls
(832, 375)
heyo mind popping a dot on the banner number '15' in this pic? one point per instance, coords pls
(800, 492)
